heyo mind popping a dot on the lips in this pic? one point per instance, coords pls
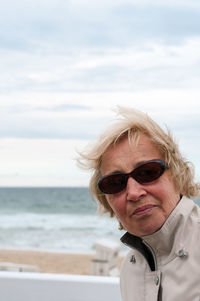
(143, 210)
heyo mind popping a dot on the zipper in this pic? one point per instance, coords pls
(153, 254)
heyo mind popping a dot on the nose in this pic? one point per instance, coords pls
(135, 190)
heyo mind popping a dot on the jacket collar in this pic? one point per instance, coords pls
(169, 240)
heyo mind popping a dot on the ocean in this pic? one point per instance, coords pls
(56, 219)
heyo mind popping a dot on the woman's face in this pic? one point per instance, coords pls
(141, 208)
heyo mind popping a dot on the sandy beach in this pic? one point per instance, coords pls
(51, 262)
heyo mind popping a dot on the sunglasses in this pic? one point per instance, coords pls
(146, 172)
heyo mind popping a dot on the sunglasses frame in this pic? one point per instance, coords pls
(125, 176)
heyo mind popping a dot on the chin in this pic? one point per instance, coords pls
(150, 230)
(147, 230)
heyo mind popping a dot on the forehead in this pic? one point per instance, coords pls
(124, 155)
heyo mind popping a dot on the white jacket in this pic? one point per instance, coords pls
(165, 265)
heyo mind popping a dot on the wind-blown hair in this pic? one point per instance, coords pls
(131, 124)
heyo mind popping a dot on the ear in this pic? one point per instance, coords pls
(120, 226)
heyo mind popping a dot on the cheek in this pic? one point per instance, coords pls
(117, 204)
(166, 193)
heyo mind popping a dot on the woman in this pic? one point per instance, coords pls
(141, 178)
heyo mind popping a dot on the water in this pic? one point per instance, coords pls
(60, 219)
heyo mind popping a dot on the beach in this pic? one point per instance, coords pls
(50, 262)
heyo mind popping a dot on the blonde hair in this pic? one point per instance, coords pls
(131, 124)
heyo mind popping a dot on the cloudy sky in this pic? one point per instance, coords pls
(64, 66)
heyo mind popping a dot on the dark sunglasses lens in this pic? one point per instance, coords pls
(145, 173)
(113, 183)
(148, 172)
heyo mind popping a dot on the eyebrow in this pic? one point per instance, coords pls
(120, 172)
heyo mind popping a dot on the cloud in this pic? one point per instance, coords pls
(102, 3)
(52, 117)
(148, 66)
(60, 26)
(46, 123)
(170, 24)
(26, 108)
(36, 162)
(66, 63)
(81, 47)
(63, 108)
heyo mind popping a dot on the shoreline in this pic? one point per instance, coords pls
(62, 251)
(53, 262)
(49, 261)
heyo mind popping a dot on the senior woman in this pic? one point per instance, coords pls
(140, 177)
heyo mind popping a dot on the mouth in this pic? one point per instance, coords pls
(143, 210)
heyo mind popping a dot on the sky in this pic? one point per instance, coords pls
(66, 64)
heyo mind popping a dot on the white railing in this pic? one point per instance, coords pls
(16, 286)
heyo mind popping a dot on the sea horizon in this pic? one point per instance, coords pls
(53, 218)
